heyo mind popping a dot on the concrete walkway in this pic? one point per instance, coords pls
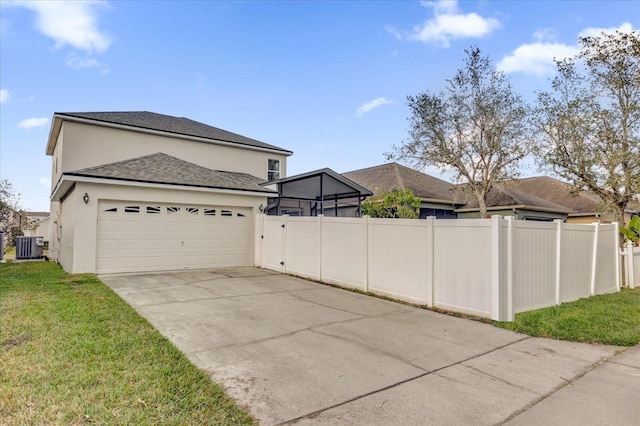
(296, 352)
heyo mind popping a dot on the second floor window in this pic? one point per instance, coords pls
(273, 169)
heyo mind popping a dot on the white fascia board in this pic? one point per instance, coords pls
(54, 131)
(66, 182)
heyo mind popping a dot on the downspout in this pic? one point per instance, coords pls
(276, 203)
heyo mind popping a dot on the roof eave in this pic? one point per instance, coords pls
(519, 206)
(67, 180)
(439, 201)
(586, 214)
(56, 125)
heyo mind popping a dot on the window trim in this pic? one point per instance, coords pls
(271, 171)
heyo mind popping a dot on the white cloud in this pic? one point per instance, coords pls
(30, 123)
(46, 182)
(73, 23)
(449, 23)
(594, 32)
(536, 58)
(545, 35)
(365, 108)
(397, 34)
(4, 96)
(78, 63)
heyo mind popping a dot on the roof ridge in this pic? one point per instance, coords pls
(124, 161)
(371, 167)
(401, 181)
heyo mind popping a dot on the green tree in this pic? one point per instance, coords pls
(11, 215)
(477, 127)
(590, 120)
(398, 203)
(632, 231)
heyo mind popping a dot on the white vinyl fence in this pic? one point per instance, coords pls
(631, 264)
(491, 268)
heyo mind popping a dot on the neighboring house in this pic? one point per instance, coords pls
(584, 207)
(445, 200)
(139, 191)
(30, 221)
(504, 200)
(437, 197)
(41, 228)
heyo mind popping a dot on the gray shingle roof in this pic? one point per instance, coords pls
(558, 192)
(505, 194)
(164, 169)
(387, 177)
(166, 123)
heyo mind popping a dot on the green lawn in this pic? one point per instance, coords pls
(612, 319)
(72, 352)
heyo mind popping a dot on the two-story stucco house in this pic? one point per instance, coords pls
(139, 191)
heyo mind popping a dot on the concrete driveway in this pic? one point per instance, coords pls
(293, 351)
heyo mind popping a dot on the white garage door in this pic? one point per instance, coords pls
(134, 237)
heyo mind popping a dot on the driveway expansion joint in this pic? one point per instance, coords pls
(292, 333)
(506, 382)
(369, 348)
(564, 384)
(393, 385)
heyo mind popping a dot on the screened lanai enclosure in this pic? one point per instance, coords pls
(319, 192)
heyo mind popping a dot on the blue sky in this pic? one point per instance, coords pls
(325, 79)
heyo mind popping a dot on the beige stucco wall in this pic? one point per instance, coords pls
(79, 220)
(85, 145)
(67, 230)
(54, 230)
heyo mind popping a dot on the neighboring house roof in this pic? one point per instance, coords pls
(504, 195)
(391, 176)
(161, 168)
(558, 192)
(151, 121)
(36, 215)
